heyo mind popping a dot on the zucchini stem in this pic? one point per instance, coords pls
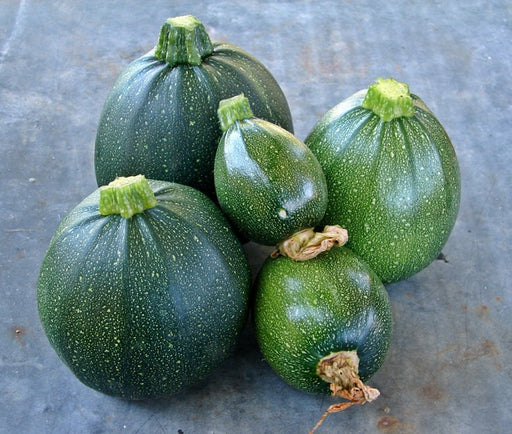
(389, 99)
(233, 109)
(183, 41)
(126, 196)
(307, 244)
(341, 370)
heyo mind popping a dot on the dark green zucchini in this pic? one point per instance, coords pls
(160, 117)
(268, 183)
(306, 312)
(144, 288)
(392, 175)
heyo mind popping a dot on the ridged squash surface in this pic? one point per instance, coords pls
(268, 182)
(144, 306)
(161, 120)
(394, 185)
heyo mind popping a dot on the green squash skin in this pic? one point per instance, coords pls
(147, 306)
(268, 183)
(304, 311)
(395, 186)
(161, 121)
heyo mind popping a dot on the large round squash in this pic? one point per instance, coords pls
(160, 117)
(144, 288)
(392, 175)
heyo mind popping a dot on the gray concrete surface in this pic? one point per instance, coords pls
(449, 368)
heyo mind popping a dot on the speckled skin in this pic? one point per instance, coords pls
(146, 306)
(307, 310)
(268, 182)
(161, 121)
(395, 186)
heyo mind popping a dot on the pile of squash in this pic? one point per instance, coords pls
(145, 287)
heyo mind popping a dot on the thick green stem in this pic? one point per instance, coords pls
(389, 99)
(233, 109)
(126, 196)
(183, 40)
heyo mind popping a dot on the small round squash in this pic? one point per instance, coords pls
(268, 182)
(311, 316)
(144, 288)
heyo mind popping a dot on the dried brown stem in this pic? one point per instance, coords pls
(341, 371)
(307, 243)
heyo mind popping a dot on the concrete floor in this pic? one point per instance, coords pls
(449, 369)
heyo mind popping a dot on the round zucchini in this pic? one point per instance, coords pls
(269, 184)
(308, 312)
(392, 176)
(160, 119)
(144, 288)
